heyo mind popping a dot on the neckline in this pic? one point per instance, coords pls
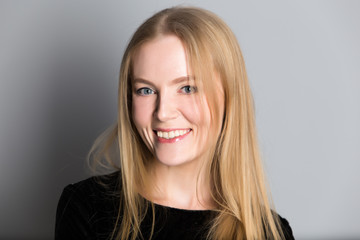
(174, 209)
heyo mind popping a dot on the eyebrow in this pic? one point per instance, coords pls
(173, 82)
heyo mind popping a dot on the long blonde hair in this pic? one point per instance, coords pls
(235, 169)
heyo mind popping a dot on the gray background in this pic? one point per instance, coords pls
(59, 65)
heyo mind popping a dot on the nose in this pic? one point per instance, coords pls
(166, 108)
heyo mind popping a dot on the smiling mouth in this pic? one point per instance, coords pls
(171, 134)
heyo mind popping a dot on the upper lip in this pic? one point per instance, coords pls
(169, 129)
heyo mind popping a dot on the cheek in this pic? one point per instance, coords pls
(197, 112)
(141, 112)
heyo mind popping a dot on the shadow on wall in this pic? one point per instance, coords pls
(65, 108)
(82, 105)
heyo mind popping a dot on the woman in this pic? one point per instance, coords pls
(186, 153)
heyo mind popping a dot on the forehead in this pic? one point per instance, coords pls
(162, 58)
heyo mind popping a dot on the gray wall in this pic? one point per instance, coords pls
(58, 77)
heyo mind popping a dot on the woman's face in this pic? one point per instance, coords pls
(167, 108)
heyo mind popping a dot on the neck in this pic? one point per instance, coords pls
(185, 186)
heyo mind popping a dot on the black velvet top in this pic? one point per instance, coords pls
(88, 210)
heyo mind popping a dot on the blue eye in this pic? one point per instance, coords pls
(188, 89)
(145, 91)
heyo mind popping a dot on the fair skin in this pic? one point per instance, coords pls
(173, 119)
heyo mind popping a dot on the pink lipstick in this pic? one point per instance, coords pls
(171, 135)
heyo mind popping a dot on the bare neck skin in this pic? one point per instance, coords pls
(183, 186)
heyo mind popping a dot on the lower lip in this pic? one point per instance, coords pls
(172, 140)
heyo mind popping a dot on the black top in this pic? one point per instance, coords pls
(88, 210)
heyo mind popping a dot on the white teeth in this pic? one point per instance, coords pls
(177, 133)
(172, 134)
(166, 135)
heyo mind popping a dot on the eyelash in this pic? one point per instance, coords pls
(193, 89)
(141, 92)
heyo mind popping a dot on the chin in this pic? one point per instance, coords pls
(173, 161)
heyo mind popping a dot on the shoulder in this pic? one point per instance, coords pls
(86, 207)
(93, 186)
(90, 191)
(286, 229)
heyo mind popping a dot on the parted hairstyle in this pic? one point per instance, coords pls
(239, 190)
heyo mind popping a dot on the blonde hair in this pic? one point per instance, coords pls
(237, 178)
